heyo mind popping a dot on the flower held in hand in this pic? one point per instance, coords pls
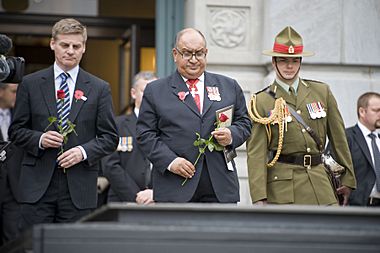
(202, 144)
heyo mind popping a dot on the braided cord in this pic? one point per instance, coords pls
(278, 116)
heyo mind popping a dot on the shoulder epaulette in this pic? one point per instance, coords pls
(263, 89)
(312, 80)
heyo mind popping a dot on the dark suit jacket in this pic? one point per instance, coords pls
(95, 126)
(10, 169)
(127, 171)
(363, 166)
(166, 129)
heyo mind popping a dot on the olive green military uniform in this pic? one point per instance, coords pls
(290, 183)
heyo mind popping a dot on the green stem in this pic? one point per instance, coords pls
(201, 152)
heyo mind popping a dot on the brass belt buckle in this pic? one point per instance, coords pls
(307, 161)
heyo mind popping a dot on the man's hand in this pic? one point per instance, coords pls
(182, 167)
(51, 139)
(102, 184)
(145, 197)
(70, 157)
(345, 191)
(222, 136)
(261, 203)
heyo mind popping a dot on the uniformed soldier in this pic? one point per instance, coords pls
(284, 161)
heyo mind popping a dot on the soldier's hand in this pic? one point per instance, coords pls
(345, 192)
(182, 167)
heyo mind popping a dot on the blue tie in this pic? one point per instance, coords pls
(63, 107)
(376, 158)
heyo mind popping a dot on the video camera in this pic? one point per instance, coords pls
(11, 68)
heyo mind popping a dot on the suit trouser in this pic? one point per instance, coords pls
(204, 192)
(55, 206)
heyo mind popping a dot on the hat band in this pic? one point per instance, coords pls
(281, 48)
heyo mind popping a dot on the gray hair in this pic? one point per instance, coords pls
(144, 75)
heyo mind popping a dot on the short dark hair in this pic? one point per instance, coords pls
(364, 99)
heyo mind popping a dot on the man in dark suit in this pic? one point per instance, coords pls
(58, 174)
(10, 167)
(177, 107)
(128, 170)
(360, 144)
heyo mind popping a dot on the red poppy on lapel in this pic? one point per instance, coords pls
(78, 94)
(182, 95)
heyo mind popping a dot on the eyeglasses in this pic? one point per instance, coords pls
(199, 55)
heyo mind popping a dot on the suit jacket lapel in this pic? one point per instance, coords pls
(179, 85)
(302, 93)
(83, 84)
(360, 139)
(47, 87)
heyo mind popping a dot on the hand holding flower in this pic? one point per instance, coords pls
(51, 139)
(182, 167)
(224, 135)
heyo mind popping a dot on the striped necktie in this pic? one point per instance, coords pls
(376, 158)
(63, 105)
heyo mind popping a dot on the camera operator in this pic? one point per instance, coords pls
(11, 72)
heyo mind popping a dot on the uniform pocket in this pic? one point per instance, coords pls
(280, 185)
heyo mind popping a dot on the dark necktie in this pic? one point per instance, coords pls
(63, 106)
(376, 158)
(292, 93)
(194, 92)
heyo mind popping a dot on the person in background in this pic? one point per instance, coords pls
(284, 159)
(128, 170)
(59, 175)
(10, 167)
(177, 107)
(363, 141)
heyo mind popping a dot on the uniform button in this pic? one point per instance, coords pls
(303, 130)
(308, 150)
(275, 178)
(299, 111)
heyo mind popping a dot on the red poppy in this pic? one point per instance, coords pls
(60, 94)
(223, 117)
(182, 95)
(78, 94)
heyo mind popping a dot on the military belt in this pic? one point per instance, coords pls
(303, 160)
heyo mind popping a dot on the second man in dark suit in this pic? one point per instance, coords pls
(128, 170)
(177, 107)
(58, 178)
(363, 155)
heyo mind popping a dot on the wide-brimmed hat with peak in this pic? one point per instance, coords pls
(288, 43)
